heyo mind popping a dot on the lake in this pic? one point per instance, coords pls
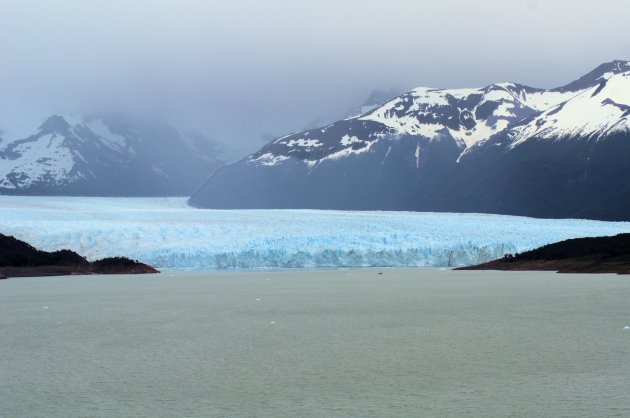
(339, 342)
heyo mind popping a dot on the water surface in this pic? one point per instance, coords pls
(413, 342)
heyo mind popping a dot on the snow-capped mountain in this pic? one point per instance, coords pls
(105, 156)
(601, 73)
(596, 112)
(570, 160)
(413, 151)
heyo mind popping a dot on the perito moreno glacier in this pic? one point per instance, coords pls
(166, 233)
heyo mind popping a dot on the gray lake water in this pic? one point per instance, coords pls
(412, 342)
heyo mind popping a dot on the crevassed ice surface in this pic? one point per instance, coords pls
(166, 233)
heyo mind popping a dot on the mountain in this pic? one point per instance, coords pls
(503, 148)
(599, 74)
(105, 156)
(570, 160)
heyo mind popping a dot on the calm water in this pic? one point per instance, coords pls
(318, 343)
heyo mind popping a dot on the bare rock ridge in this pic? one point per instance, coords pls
(19, 259)
(580, 255)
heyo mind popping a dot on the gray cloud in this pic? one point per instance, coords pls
(238, 69)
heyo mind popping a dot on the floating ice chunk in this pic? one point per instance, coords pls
(258, 299)
(627, 327)
(272, 322)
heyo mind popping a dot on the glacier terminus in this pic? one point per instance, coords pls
(167, 233)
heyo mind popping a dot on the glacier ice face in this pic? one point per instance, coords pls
(166, 233)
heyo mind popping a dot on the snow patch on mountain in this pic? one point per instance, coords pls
(105, 134)
(468, 115)
(304, 143)
(349, 140)
(45, 158)
(268, 159)
(595, 112)
(479, 133)
(349, 151)
(544, 99)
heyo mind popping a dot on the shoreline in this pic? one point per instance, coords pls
(313, 273)
(20, 259)
(593, 255)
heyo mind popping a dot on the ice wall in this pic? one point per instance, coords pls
(166, 233)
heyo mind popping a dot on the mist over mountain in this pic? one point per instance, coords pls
(504, 148)
(235, 70)
(106, 156)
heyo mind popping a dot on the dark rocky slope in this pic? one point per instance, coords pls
(19, 259)
(580, 255)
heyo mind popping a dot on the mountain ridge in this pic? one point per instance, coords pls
(94, 155)
(428, 148)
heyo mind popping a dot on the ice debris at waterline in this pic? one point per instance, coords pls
(166, 233)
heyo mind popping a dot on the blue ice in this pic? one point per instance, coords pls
(166, 233)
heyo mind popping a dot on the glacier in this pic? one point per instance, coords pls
(167, 233)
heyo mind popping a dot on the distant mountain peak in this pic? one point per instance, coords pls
(600, 73)
(600, 110)
(377, 97)
(54, 123)
(105, 155)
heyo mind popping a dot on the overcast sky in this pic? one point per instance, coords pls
(239, 69)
